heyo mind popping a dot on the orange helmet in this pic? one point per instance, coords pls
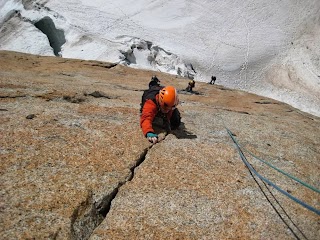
(168, 98)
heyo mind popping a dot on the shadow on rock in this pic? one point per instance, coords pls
(189, 93)
(183, 133)
(180, 133)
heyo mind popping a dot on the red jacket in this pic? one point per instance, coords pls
(149, 112)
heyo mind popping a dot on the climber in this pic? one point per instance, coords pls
(191, 85)
(160, 102)
(213, 80)
(154, 81)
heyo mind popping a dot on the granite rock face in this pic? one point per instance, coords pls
(75, 164)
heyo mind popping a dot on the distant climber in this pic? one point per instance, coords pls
(159, 102)
(154, 81)
(190, 86)
(213, 80)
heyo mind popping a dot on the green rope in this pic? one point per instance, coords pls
(281, 171)
(243, 158)
(270, 165)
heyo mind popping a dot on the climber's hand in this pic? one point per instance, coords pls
(152, 137)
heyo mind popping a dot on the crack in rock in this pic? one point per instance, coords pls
(13, 96)
(89, 215)
(85, 219)
(104, 65)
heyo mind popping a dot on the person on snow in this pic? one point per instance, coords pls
(159, 102)
(213, 80)
(191, 85)
(154, 81)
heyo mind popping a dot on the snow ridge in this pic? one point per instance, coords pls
(265, 47)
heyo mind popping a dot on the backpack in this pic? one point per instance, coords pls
(150, 94)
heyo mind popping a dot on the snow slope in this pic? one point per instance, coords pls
(269, 47)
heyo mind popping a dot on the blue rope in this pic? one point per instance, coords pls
(283, 172)
(243, 158)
